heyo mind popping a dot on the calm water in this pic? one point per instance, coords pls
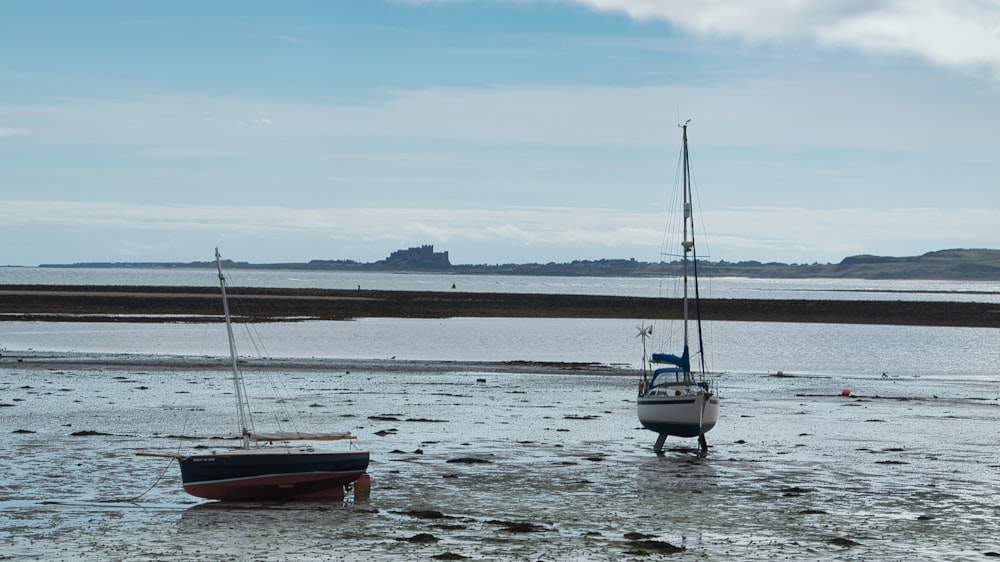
(838, 289)
(734, 347)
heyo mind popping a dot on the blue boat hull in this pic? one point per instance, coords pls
(272, 474)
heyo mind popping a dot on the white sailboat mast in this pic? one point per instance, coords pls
(244, 431)
(688, 244)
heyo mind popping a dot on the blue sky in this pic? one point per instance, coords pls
(499, 130)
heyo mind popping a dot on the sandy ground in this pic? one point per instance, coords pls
(498, 466)
(87, 361)
(189, 304)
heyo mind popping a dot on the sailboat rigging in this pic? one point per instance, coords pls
(671, 401)
(276, 472)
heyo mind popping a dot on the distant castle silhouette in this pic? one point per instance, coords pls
(421, 257)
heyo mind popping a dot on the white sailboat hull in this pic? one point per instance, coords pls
(678, 411)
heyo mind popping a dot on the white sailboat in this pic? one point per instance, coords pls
(674, 399)
(274, 472)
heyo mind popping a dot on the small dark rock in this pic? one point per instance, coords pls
(661, 547)
(421, 538)
(519, 527)
(468, 460)
(424, 514)
(449, 556)
(637, 536)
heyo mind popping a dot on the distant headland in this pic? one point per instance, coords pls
(954, 264)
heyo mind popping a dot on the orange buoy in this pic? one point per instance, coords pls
(845, 392)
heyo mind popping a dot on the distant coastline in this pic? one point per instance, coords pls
(945, 265)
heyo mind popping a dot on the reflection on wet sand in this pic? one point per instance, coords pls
(517, 466)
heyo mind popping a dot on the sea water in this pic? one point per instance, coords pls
(725, 287)
(731, 347)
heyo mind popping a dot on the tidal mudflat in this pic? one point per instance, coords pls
(503, 463)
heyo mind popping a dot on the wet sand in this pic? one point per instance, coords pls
(90, 361)
(199, 304)
(500, 466)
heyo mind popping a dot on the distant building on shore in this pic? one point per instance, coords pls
(421, 257)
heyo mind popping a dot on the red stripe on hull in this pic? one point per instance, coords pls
(276, 487)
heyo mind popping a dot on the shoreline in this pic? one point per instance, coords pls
(56, 360)
(71, 303)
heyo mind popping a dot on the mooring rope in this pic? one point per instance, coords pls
(136, 498)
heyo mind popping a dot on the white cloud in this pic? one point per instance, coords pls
(768, 111)
(291, 39)
(956, 33)
(10, 132)
(810, 234)
(562, 234)
(536, 225)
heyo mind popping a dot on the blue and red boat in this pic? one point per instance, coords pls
(259, 470)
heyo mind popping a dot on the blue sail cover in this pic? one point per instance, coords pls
(683, 363)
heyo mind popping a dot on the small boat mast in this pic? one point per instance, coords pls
(237, 378)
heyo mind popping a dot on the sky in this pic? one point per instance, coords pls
(501, 131)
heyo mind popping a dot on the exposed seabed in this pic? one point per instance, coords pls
(511, 462)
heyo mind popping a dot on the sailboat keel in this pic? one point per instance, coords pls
(658, 446)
